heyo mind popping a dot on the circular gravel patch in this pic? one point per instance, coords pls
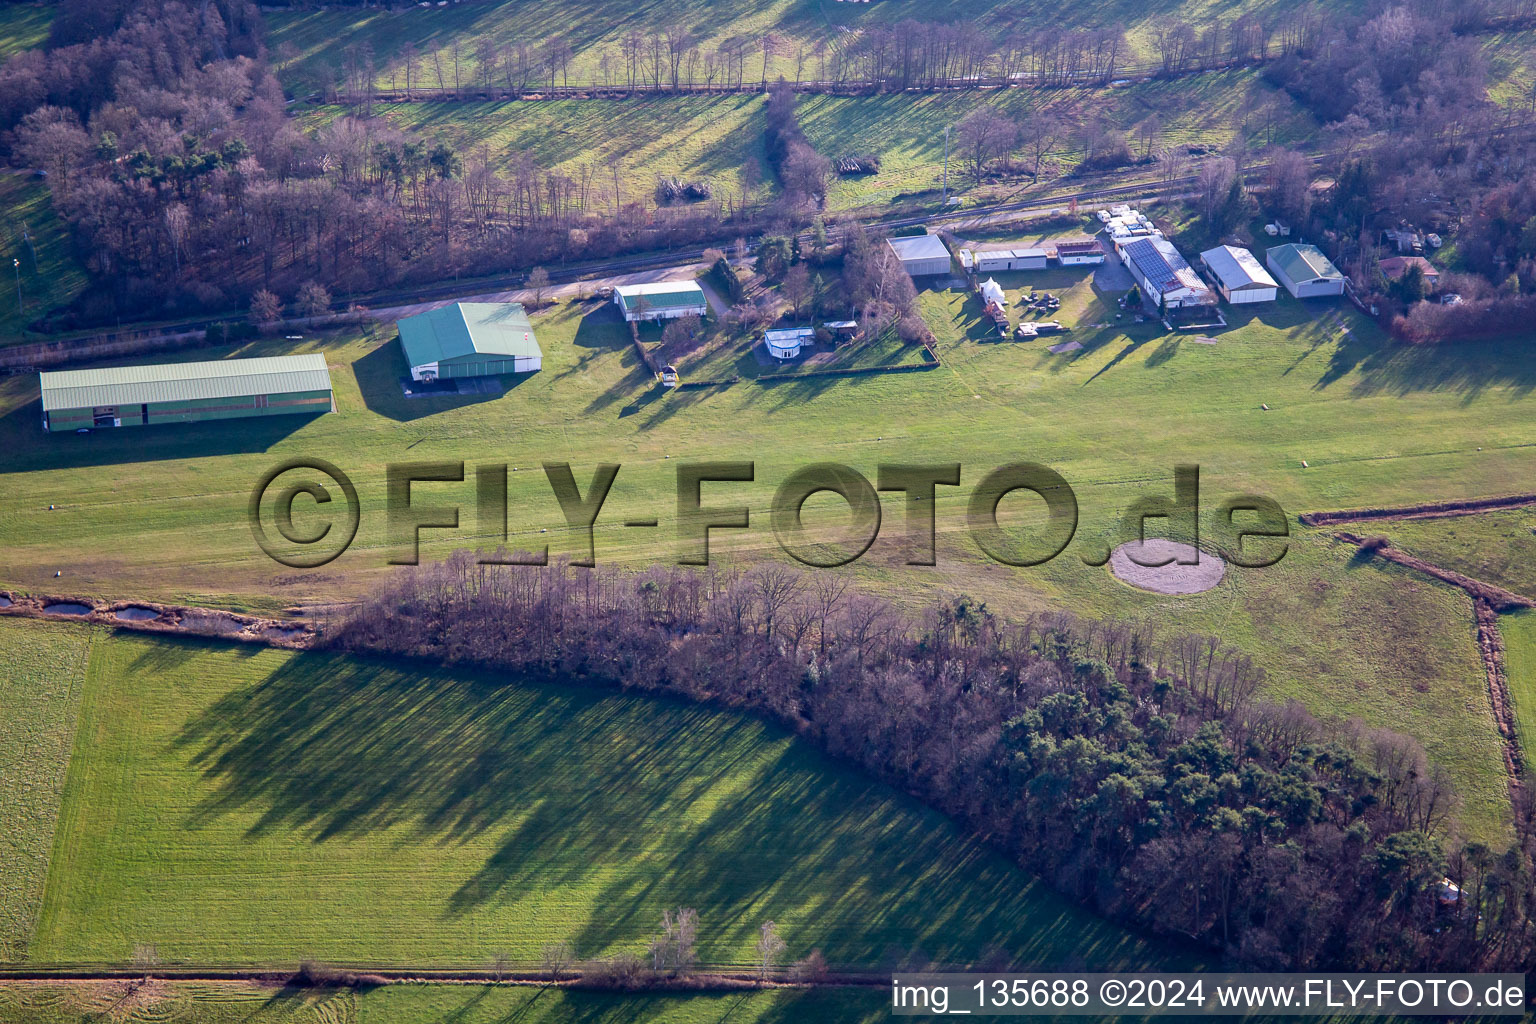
(1172, 578)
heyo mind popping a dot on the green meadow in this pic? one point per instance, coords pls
(1519, 633)
(226, 805)
(40, 689)
(1495, 547)
(162, 513)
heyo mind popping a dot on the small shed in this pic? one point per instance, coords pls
(470, 339)
(786, 343)
(921, 255)
(1305, 271)
(1239, 276)
(843, 330)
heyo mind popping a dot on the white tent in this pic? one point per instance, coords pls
(991, 291)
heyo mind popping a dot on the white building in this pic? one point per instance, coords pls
(660, 300)
(1239, 276)
(1305, 271)
(1076, 254)
(991, 291)
(786, 343)
(1165, 277)
(992, 260)
(921, 255)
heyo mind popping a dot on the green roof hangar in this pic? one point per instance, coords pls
(132, 396)
(470, 339)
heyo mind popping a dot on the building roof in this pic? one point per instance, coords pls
(181, 382)
(1161, 264)
(1010, 252)
(841, 325)
(784, 334)
(1237, 268)
(919, 247)
(660, 294)
(1304, 263)
(1395, 267)
(465, 329)
(1079, 247)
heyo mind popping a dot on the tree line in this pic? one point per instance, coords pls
(1145, 777)
(909, 54)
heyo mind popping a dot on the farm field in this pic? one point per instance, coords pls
(1377, 425)
(231, 806)
(40, 689)
(172, 1003)
(719, 138)
(1519, 632)
(798, 32)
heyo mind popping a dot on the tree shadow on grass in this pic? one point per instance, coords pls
(646, 802)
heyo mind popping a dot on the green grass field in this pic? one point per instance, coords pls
(1519, 633)
(168, 1003)
(23, 26)
(40, 689)
(29, 232)
(1496, 547)
(1378, 424)
(226, 805)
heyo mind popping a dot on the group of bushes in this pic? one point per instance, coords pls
(673, 190)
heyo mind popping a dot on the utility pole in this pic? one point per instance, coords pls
(946, 165)
(16, 263)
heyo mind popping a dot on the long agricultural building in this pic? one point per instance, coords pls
(132, 396)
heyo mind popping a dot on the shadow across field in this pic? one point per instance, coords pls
(378, 380)
(25, 445)
(636, 803)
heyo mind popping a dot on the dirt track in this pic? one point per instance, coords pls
(1428, 510)
(174, 619)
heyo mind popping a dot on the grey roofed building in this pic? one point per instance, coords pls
(921, 255)
(1240, 277)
